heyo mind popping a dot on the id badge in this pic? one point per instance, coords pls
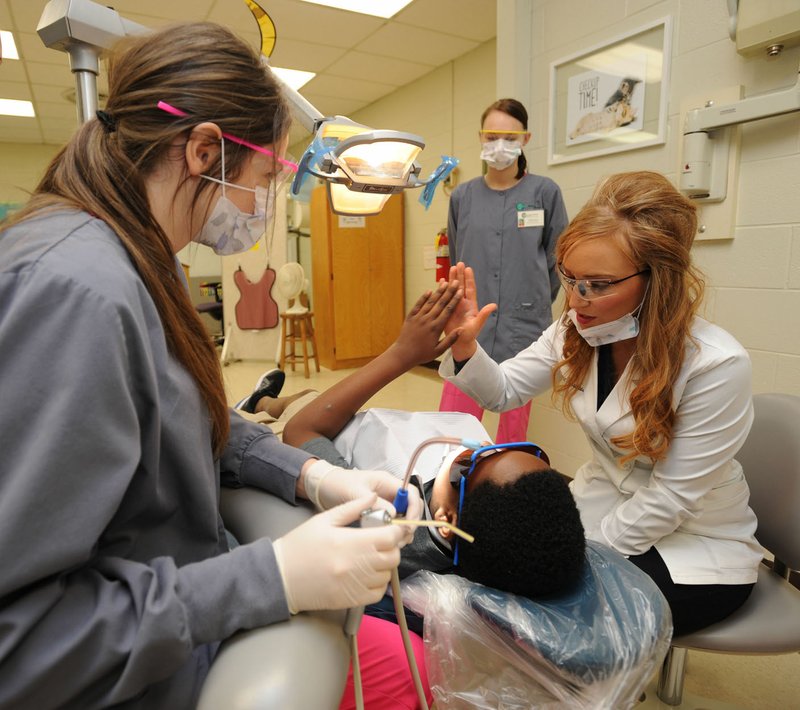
(530, 218)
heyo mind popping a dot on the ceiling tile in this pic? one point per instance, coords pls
(12, 70)
(13, 128)
(48, 75)
(336, 106)
(52, 94)
(15, 90)
(62, 110)
(471, 19)
(322, 25)
(58, 126)
(347, 88)
(25, 14)
(5, 16)
(182, 10)
(306, 56)
(371, 67)
(415, 44)
(357, 58)
(32, 49)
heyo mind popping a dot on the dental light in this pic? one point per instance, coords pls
(363, 167)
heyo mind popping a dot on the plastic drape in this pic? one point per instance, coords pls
(595, 647)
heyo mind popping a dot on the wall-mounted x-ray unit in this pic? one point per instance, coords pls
(707, 134)
(709, 151)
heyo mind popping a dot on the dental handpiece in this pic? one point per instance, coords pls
(401, 498)
(369, 519)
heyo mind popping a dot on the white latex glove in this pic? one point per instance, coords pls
(327, 485)
(325, 565)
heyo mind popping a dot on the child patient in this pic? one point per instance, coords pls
(528, 534)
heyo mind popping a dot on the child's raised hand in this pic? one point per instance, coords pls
(420, 338)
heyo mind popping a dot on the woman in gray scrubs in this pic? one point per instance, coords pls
(117, 583)
(505, 225)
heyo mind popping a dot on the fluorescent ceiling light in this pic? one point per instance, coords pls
(13, 107)
(294, 77)
(8, 50)
(377, 8)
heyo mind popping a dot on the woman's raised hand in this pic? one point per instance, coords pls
(467, 318)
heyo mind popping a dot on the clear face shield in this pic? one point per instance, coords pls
(229, 230)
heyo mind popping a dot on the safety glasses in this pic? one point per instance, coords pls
(590, 289)
(464, 464)
(287, 167)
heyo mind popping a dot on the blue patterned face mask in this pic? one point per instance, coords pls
(231, 231)
(228, 229)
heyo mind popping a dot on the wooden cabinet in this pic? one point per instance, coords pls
(357, 272)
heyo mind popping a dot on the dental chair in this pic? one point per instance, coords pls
(299, 664)
(595, 646)
(769, 621)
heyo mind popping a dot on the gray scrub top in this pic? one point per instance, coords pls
(116, 582)
(514, 265)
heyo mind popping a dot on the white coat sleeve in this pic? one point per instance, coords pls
(512, 383)
(714, 415)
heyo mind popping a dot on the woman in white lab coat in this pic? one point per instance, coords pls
(663, 396)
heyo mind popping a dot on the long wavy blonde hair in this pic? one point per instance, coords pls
(654, 225)
(208, 72)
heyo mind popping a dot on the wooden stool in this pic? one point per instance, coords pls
(297, 328)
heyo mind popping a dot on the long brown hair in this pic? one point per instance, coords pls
(654, 225)
(206, 71)
(515, 109)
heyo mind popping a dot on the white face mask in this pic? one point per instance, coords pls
(623, 328)
(501, 153)
(228, 229)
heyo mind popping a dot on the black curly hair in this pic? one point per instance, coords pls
(529, 539)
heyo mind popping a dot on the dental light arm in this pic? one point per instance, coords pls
(84, 30)
(303, 111)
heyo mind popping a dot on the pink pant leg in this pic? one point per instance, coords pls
(385, 677)
(454, 400)
(513, 425)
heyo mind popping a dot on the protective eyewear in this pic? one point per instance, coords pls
(590, 289)
(464, 464)
(496, 135)
(287, 167)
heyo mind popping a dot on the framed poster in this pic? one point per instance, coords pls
(611, 97)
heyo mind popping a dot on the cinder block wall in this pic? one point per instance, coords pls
(753, 280)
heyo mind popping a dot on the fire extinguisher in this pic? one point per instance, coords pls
(442, 256)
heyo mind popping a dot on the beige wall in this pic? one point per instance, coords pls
(444, 107)
(753, 279)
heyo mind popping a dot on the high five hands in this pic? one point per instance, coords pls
(466, 319)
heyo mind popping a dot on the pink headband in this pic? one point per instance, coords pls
(164, 106)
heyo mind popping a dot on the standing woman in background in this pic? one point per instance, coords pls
(505, 225)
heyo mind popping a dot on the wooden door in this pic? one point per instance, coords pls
(358, 281)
